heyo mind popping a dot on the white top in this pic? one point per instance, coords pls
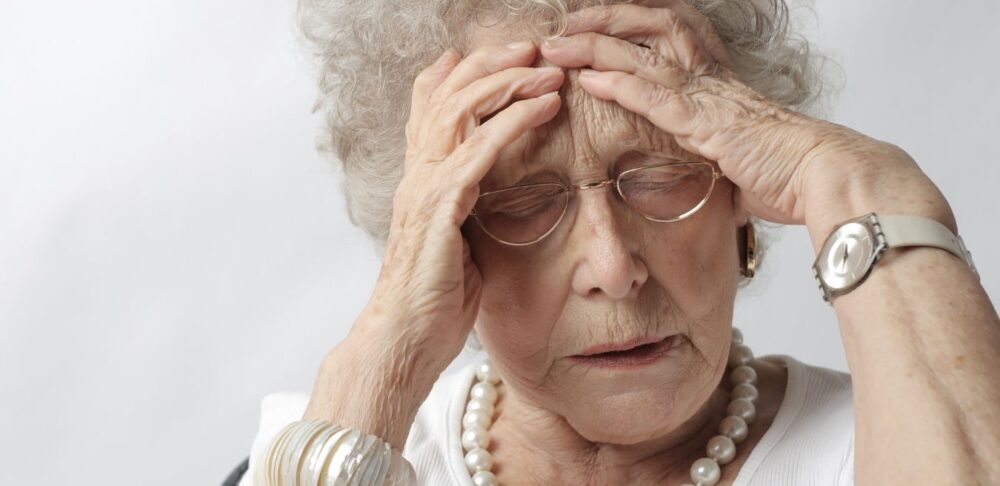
(810, 442)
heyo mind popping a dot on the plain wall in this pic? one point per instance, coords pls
(172, 248)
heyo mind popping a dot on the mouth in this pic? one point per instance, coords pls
(630, 354)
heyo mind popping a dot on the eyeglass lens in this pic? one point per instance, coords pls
(524, 214)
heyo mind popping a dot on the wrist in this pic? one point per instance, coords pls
(880, 178)
(375, 381)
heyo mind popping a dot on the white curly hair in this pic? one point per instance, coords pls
(370, 51)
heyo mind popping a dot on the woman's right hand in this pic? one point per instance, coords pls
(427, 294)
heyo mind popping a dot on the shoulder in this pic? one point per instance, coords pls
(813, 434)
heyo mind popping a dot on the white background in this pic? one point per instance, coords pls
(172, 248)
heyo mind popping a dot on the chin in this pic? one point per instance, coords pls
(626, 419)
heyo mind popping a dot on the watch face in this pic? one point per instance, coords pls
(846, 256)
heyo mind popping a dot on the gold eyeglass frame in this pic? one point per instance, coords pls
(616, 181)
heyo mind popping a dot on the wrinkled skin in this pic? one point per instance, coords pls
(605, 274)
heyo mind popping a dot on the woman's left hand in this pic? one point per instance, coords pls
(669, 65)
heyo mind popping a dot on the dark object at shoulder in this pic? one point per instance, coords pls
(234, 477)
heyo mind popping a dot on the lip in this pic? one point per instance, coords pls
(622, 346)
(633, 353)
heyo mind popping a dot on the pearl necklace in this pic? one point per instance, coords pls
(706, 471)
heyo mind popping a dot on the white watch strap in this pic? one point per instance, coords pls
(900, 230)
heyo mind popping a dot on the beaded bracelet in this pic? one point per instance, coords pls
(318, 453)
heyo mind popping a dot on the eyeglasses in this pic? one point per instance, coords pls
(522, 215)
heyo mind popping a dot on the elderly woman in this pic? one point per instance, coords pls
(576, 186)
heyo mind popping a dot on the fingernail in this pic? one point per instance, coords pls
(549, 70)
(516, 46)
(587, 73)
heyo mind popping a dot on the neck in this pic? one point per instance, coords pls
(536, 439)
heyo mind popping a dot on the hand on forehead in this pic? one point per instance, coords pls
(589, 134)
(588, 139)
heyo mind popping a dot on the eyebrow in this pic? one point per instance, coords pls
(533, 172)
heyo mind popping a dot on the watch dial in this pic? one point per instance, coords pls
(847, 256)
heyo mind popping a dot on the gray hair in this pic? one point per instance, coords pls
(370, 51)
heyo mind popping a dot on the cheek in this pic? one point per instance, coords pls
(696, 259)
(522, 299)
(697, 263)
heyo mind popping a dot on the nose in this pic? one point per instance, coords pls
(609, 265)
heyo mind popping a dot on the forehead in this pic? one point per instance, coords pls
(587, 136)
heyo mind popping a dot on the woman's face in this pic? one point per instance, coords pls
(607, 275)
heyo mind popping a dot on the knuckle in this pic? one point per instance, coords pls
(669, 103)
(658, 96)
(601, 14)
(667, 16)
(454, 114)
(588, 39)
(480, 56)
(465, 101)
(649, 58)
(477, 138)
(426, 78)
(454, 104)
(436, 156)
(423, 79)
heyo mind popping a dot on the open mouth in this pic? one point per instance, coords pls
(639, 355)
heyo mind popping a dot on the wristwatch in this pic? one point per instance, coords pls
(850, 252)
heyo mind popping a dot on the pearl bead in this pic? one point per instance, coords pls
(475, 438)
(743, 374)
(480, 404)
(484, 478)
(742, 408)
(485, 391)
(721, 448)
(486, 373)
(478, 460)
(745, 390)
(476, 418)
(734, 427)
(705, 472)
(739, 355)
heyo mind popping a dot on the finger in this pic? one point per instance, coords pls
(669, 109)
(496, 91)
(462, 112)
(628, 20)
(607, 53)
(483, 62)
(474, 158)
(424, 84)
